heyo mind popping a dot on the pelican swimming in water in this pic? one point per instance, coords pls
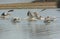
(16, 19)
(49, 19)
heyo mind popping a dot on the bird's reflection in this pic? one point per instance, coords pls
(37, 29)
(16, 25)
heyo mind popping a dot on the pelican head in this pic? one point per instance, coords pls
(49, 19)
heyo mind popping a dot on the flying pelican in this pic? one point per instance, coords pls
(4, 15)
(30, 17)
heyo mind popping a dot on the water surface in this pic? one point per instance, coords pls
(30, 30)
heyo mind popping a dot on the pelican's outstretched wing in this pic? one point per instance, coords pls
(10, 10)
(28, 13)
(43, 9)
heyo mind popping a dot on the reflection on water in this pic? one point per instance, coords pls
(30, 29)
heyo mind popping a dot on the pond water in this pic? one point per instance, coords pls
(30, 30)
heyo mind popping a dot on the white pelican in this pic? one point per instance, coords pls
(16, 19)
(30, 17)
(49, 19)
(4, 15)
(38, 17)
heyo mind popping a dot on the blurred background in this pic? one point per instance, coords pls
(29, 3)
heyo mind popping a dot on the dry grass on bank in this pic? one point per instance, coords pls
(29, 5)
